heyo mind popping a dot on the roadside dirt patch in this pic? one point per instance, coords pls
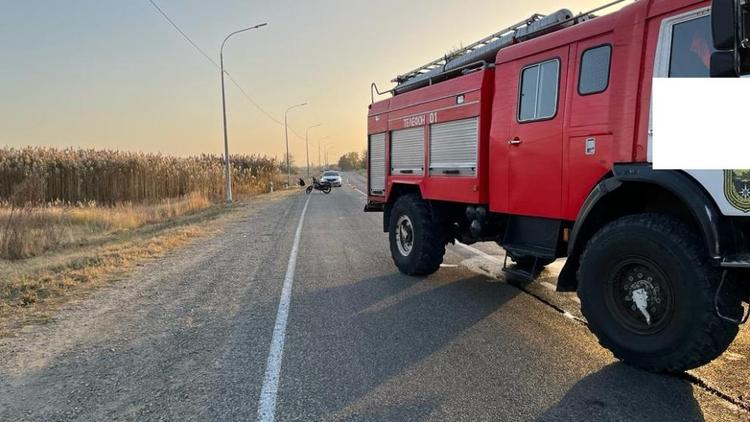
(31, 290)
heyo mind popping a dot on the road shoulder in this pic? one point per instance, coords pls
(32, 290)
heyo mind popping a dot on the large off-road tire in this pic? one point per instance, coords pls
(417, 240)
(657, 263)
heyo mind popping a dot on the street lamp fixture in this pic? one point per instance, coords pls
(227, 171)
(286, 134)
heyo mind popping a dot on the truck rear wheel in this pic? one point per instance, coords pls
(647, 291)
(417, 241)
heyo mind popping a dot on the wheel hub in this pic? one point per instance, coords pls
(404, 235)
(641, 296)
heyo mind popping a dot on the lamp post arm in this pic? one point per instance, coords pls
(260, 25)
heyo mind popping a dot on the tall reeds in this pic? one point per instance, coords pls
(111, 177)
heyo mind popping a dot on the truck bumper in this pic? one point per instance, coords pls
(374, 206)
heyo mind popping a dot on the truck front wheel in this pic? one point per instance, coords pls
(417, 241)
(647, 290)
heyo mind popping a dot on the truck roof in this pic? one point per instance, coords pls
(522, 39)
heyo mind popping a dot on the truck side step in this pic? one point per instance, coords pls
(520, 273)
(534, 236)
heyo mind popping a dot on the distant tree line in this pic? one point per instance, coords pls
(353, 161)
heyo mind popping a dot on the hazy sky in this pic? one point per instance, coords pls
(115, 74)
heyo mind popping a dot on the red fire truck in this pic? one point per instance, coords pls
(538, 137)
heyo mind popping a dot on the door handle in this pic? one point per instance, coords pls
(515, 141)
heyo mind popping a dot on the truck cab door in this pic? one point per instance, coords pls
(535, 141)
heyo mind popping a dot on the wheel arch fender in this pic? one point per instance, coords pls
(694, 202)
(396, 191)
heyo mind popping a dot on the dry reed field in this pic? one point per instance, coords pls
(75, 176)
(51, 198)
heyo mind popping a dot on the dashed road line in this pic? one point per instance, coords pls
(270, 389)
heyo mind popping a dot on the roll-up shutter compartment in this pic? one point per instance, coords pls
(407, 151)
(453, 148)
(377, 164)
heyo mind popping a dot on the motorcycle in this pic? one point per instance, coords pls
(322, 186)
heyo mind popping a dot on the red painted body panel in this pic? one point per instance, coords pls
(438, 104)
(531, 173)
(550, 174)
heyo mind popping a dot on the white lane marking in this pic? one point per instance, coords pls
(364, 194)
(269, 392)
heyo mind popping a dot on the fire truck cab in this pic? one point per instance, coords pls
(538, 137)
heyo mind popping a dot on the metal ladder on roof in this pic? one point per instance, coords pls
(481, 53)
(441, 62)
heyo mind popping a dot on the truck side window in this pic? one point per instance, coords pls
(539, 85)
(692, 46)
(595, 66)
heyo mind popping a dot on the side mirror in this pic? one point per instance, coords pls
(723, 64)
(725, 17)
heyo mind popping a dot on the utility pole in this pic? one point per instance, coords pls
(307, 146)
(286, 133)
(325, 151)
(227, 165)
(320, 163)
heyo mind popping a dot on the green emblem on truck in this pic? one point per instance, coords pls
(737, 188)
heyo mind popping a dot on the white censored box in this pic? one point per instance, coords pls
(701, 123)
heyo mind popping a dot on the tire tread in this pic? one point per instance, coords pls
(433, 248)
(716, 334)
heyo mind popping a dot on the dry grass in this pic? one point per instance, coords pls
(31, 290)
(29, 231)
(31, 297)
(129, 216)
(70, 219)
(50, 198)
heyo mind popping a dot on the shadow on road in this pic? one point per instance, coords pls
(620, 392)
(419, 410)
(376, 334)
(373, 330)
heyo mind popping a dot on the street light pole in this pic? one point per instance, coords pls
(307, 146)
(227, 171)
(286, 134)
(320, 163)
(325, 151)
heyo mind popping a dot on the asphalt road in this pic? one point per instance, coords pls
(188, 337)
